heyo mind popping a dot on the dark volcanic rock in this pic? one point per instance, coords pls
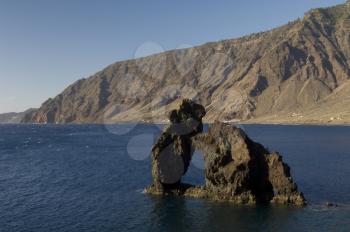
(242, 171)
(236, 168)
(172, 153)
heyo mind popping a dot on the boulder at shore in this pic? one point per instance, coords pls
(236, 168)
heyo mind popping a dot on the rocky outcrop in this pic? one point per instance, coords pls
(297, 73)
(172, 154)
(242, 171)
(236, 168)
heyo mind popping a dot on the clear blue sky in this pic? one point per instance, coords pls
(46, 45)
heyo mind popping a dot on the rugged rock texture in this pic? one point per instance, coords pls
(172, 154)
(242, 171)
(236, 168)
(297, 73)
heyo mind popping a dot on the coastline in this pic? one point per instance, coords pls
(267, 123)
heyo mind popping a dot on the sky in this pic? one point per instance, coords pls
(46, 45)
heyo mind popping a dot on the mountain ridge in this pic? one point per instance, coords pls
(263, 77)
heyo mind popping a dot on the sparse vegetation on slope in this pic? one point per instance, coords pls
(300, 68)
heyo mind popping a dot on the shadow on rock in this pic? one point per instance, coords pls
(237, 169)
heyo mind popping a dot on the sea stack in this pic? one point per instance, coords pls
(172, 153)
(237, 169)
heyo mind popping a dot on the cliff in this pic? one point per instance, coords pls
(297, 73)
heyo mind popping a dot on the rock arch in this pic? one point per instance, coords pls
(237, 169)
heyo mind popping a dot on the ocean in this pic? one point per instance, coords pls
(91, 178)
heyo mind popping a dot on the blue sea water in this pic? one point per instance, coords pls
(91, 177)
